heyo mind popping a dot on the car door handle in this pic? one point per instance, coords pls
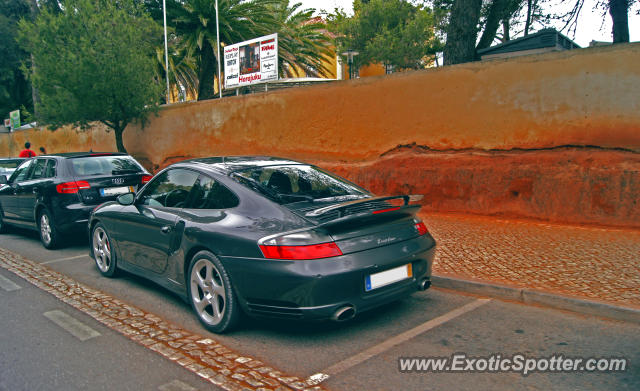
(166, 229)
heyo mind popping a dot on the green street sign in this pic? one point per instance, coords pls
(14, 117)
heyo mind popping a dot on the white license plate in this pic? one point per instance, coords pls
(109, 191)
(378, 280)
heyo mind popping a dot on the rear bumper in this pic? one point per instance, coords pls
(316, 289)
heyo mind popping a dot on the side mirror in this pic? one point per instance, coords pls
(3, 180)
(126, 199)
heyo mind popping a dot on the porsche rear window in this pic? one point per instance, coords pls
(287, 184)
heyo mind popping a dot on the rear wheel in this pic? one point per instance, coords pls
(211, 293)
(103, 253)
(49, 235)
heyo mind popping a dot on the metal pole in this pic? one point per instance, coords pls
(166, 49)
(218, 50)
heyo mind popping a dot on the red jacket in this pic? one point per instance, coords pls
(27, 153)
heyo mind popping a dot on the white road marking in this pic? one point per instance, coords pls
(8, 285)
(72, 325)
(176, 385)
(65, 259)
(390, 343)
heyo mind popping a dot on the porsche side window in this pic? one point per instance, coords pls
(170, 189)
(209, 194)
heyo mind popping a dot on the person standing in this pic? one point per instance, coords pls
(27, 152)
(43, 151)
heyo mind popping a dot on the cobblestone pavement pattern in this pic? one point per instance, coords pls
(594, 263)
(201, 355)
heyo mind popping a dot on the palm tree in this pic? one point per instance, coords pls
(303, 41)
(303, 44)
(195, 24)
(182, 67)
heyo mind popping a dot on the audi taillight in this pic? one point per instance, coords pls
(72, 187)
(146, 178)
(299, 245)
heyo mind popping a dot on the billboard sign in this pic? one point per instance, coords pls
(251, 62)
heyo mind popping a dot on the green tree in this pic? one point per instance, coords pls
(393, 32)
(194, 22)
(303, 42)
(15, 89)
(94, 63)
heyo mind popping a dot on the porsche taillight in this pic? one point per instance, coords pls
(301, 245)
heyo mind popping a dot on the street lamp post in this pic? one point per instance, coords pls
(218, 50)
(350, 54)
(166, 49)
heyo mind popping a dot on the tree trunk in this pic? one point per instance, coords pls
(462, 32)
(207, 72)
(619, 11)
(506, 29)
(496, 11)
(527, 24)
(118, 130)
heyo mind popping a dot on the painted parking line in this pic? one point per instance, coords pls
(72, 325)
(390, 343)
(65, 259)
(8, 285)
(176, 385)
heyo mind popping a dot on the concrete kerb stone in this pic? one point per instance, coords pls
(532, 296)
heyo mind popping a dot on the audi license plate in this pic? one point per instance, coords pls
(110, 191)
(378, 280)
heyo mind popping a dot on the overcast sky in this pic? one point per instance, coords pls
(590, 26)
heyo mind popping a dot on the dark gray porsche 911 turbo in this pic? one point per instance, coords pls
(266, 236)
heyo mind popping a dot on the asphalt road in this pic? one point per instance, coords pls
(362, 354)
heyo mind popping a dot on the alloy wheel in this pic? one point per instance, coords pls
(208, 292)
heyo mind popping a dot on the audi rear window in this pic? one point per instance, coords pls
(104, 165)
(288, 184)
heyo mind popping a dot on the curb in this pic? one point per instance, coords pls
(532, 296)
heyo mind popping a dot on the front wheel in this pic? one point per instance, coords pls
(49, 235)
(211, 294)
(103, 253)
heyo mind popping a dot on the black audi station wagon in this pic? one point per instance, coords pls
(54, 194)
(266, 236)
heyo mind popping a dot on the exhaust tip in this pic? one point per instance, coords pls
(343, 314)
(424, 284)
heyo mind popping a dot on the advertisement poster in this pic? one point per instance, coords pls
(14, 118)
(251, 62)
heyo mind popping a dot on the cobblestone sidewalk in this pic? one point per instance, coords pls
(586, 262)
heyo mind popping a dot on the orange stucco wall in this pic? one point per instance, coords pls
(586, 98)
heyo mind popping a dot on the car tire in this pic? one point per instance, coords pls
(211, 293)
(49, 235)
(103, 252)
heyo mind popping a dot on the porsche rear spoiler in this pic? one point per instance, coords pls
(342, 208)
